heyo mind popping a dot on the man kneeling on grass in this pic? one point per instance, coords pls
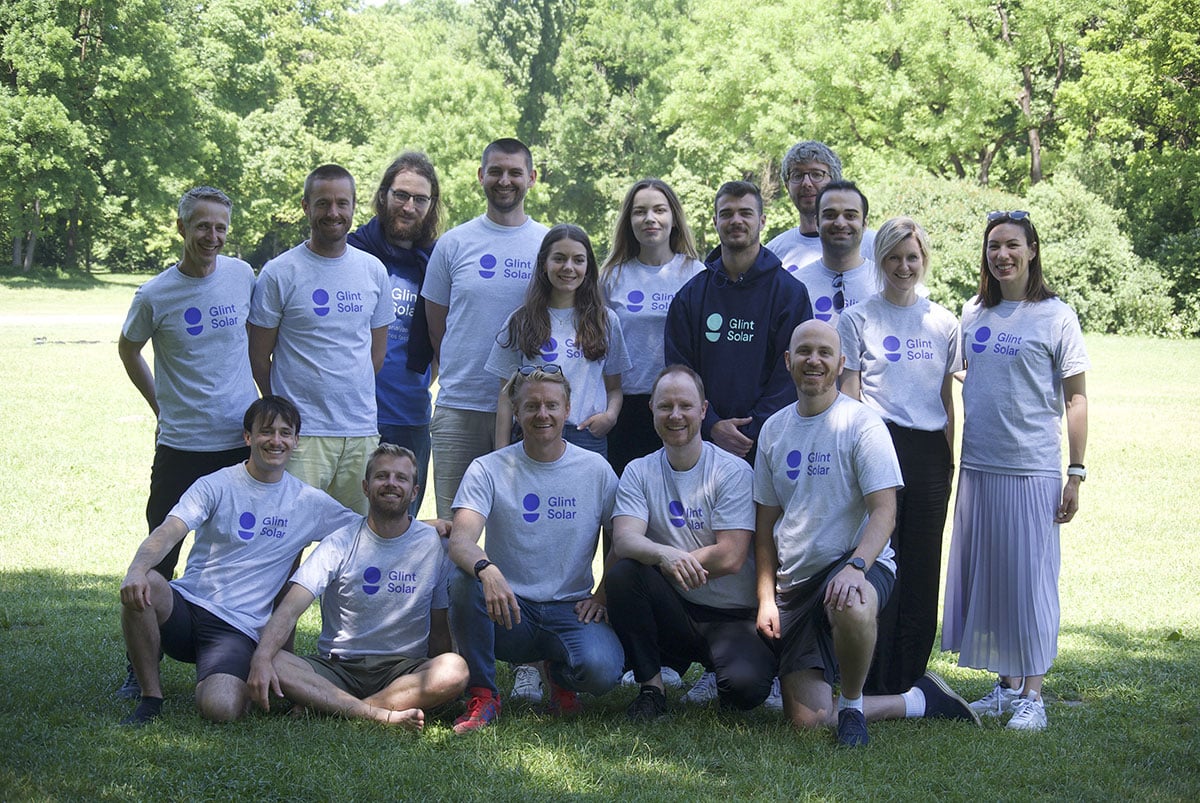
(252, 521)
(825, 484)
(385, 651)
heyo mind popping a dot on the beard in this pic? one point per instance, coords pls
(396, 229)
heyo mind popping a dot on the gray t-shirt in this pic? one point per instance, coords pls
(247, 535)
(202, 379)
(1017, 356)
(325, 310)
(855, 285)
(543, 519)
(820, 469)
(685, 509)
(903, 355)
(640, 296)
(588, 395)
(377, 593)
(795, 250)
(479, 271)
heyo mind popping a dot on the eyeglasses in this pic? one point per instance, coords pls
(815, 176)
(839, 297)
(1016, 214)
(402, 198)
(548, 368)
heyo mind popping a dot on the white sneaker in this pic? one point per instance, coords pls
(1029, 714)
(527, 685)
(670, 678)
(774, 701)
(703, 691)
(996, 702)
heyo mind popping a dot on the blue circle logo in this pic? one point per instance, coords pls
(320, 302)
(550, 350)
(794, 459)
(982, 335)
(792, 268)
(891, 348)
(823, 308)
(675, 513)
(487, 266)
(246, 524)
(371, 578)
(635, 299)
(531, 503)
(192, 317)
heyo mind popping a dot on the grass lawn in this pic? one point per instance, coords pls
(75, 452)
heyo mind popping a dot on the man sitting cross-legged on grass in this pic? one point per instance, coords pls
(385, 651)
(252, 521)
(683, 589)
(825, 483)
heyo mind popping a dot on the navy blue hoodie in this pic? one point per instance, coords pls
(734, 334)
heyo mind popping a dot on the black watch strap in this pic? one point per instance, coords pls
(480, 565)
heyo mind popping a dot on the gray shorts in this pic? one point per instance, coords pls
(363, 675)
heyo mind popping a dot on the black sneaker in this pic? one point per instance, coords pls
(130, 689)
(941, 702)
(650, 704)
(852, 728)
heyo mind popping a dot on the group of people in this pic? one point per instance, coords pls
(763, 437)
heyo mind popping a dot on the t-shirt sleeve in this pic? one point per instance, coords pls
(323, 564)
(764, 486)
(266, 303)
(139, 323)
(610, 496)
(441, 591)
(617, 360)
(849, 329)
(502, 360)
(875, 462)
(631, 493)
(385, 310)
(1070, 355)
(733, 507)
(954, 355)
(197, 503)
(331, 514)
(476, 491)
(436, 286)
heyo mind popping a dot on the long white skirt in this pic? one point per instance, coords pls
(1001, 610)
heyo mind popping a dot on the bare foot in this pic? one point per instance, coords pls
(412, 719)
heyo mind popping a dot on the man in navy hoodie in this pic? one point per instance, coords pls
(732, 324)
(401, 236)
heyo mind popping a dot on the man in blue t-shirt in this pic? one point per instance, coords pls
(402, 236)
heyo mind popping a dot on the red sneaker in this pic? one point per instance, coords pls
(562, 702)
(482, 708)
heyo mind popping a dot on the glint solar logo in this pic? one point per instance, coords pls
(320, 302)
(550, 350)
(891, 348)
(675, 513)
(531, 503)
(487, 266)
(714, 324)
(794, 459)
(982, 335)
(371, 578)
(246, 524)
(792, 268)
(192, 317)
(635, 298)
(823, 308)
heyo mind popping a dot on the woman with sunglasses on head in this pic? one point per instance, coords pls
(653, 255)
(1026, 364)
(564, 322)
(902, 351)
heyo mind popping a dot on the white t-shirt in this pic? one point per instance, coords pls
(685, 509)
(247, 535)
(640, 296)
(202, 378)
(479, 271)
(1017, 356)
(588, 395)
(795, 250)
(325, 310)
(857, 284)
(376, 593)
(904, 355)
(820, 469)
(543, 519)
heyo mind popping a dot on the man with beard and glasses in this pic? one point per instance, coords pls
(477, 276)
(384, 652)
(402, 235)
(731, 324)
(319, 322)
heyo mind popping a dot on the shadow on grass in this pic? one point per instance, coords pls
(59, 279)
(62, 658)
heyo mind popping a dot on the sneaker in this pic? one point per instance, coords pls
(527, 685)
(852, 728)
(670, 678)
(996, 702)
(1029, 713)
(649, 705)
(774, 701)
(941, 702)
(130, 689)
(482, 709)
(703, 691)
(563, 703)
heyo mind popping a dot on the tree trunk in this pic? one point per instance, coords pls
(1035, 137)
(72, 255)
(33, 231)
(17, 238)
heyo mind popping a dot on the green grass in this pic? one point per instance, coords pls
(75, 450)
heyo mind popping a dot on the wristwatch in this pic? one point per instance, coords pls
(1077, 470)
(858, 563)
(480, 565)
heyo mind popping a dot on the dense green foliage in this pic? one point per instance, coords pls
(1085, 112)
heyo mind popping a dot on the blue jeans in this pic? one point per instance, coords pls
(579, 657)
(417, 439)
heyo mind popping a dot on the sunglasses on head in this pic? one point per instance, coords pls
(530, 370)
(1016, 214)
